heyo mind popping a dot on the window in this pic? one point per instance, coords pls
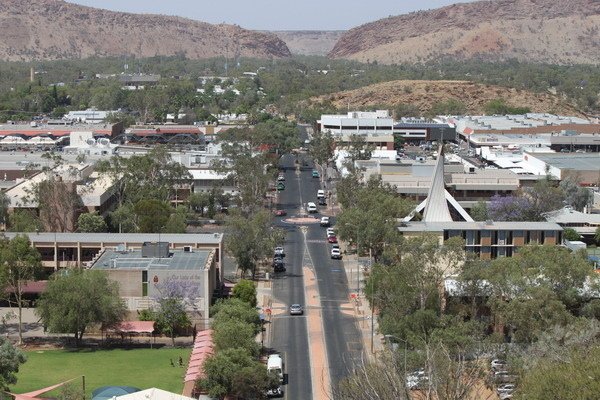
(144, 283)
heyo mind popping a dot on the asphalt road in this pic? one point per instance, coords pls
(289, 334)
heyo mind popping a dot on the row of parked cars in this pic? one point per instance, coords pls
(503, 378)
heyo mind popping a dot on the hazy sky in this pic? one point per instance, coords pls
(275, 14)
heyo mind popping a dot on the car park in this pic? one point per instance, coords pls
(336, 254)
(332, 239)
(315, 174)
(325, 221)
(296, 309)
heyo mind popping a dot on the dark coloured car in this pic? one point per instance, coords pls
(278, 265)
(332, 239)
(280, 213)
(322, 201)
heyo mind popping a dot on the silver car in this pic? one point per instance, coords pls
(296, 309)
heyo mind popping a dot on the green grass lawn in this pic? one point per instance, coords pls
(141, 368)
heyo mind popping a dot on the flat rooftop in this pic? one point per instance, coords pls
(133, 260)
(119, 238)
(419, 226)
(573, 161)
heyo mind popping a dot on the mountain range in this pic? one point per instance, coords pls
(55, 29)
(544, 31)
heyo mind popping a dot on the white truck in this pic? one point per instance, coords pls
(275, 366)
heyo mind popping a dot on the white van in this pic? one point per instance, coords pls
(320, 193)
(311, 207)
(275, 366)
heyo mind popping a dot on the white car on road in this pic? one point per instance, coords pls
(336, 254)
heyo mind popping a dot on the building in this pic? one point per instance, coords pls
(417, 131)
(156, 270)
(583, 167)
(357, 123)
(583, 223)
(68, 250)
(443, 216)
(89, 116)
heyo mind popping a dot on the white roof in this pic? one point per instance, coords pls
(153, 394)
(274, 361)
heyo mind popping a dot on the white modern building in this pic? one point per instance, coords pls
(357, 123)
(89, 116)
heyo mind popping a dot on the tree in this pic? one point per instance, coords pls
(571, 234)
(10, 360)
(576, 196)
(234, 371)
(91, 222)
(78, 299)
(152, 215)
(234, 309)
(499, 107)
(359, 149)
(576, 377)
(247, 169)
(58, 203)
(406, 110)
(371, 222)
(245, 290)
(171, 316)
(21, 263)
(233, 334)
(597, 236)
(479, 212)
(4, 205)
(321, 148)
(251, 238)
(22, 220)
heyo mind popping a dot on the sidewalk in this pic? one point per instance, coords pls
(366, 319)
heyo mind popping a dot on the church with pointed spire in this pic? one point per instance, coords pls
(442, 215)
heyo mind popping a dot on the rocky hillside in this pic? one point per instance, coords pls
(549, 31)
(424, 94)
(309, 43)
(55, 29)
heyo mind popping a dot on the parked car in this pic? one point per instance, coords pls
(280, 213)
(330, 232)
(335, 246)
(325, 221)
(336, 254)
(280, 251)
(275, 392)
(504, 377)
(506, 396)
(332, 239)
(311, 207)
(278, 265)
(315, 174)
(506, 388)
(320, 193)
(281, 178)
(498, 364)
(322, 201)
(416, 380)
(280, 186)
(296, 309)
